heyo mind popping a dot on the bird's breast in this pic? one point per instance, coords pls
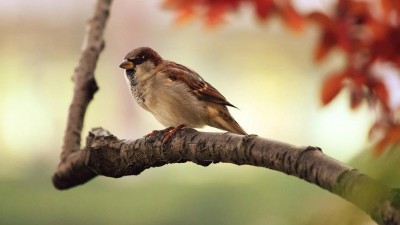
(137, 90)
(173, 105)
(138, 93)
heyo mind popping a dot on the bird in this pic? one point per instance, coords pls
(176, 95)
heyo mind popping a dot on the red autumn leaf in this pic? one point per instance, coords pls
(350, 19)
(389, 5)
(359, 9)
(377, 29)
(327, 42)
(185, 9)
(386, 5)
(381, 146)
(178, 4)
(263, 8)
(322, 20)
(392, 136)
(356, 97)
(379, 89)
(291, 17)
(332, 86)
(216, 13)
(328, 38)
(343, 37)
(358, 81)
(388, 48)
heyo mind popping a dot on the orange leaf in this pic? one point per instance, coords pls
(322, 20)
(185, 15)
(386, 5)
(292, 18)
(328, 38)
(332, 86)
(381, 146)
(392, 136)
(389, 5)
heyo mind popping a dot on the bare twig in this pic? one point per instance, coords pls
(71, 169)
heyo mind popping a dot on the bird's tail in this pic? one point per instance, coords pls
(234, 127)
(223, 120)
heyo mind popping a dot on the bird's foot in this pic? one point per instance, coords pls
(170, 133)
(155, 134)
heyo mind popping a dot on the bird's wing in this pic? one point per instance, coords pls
(199, 87)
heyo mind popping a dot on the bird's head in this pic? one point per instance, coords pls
(141, 62)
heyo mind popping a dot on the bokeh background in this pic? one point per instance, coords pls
(264, 69)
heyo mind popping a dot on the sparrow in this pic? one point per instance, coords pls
(176, 95)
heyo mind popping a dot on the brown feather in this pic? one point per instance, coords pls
(199, 87)
(222, 119)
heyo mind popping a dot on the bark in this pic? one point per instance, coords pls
(106, 155)
(71, 170)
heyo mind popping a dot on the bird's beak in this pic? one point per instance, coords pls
(126, 65)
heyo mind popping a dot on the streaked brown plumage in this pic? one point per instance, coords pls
(175, 94)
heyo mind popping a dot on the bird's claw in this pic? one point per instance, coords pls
(168, 134)
(151, 137)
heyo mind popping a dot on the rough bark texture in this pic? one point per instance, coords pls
(106, 155)
(71, 170)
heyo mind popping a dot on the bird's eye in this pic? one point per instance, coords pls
(138, 60)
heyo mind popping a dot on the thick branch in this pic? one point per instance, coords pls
(107, 155)
(84, 89)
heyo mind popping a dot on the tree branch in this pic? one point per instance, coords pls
(71, 170)
(107, 155)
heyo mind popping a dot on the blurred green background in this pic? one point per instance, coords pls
(264, 69)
